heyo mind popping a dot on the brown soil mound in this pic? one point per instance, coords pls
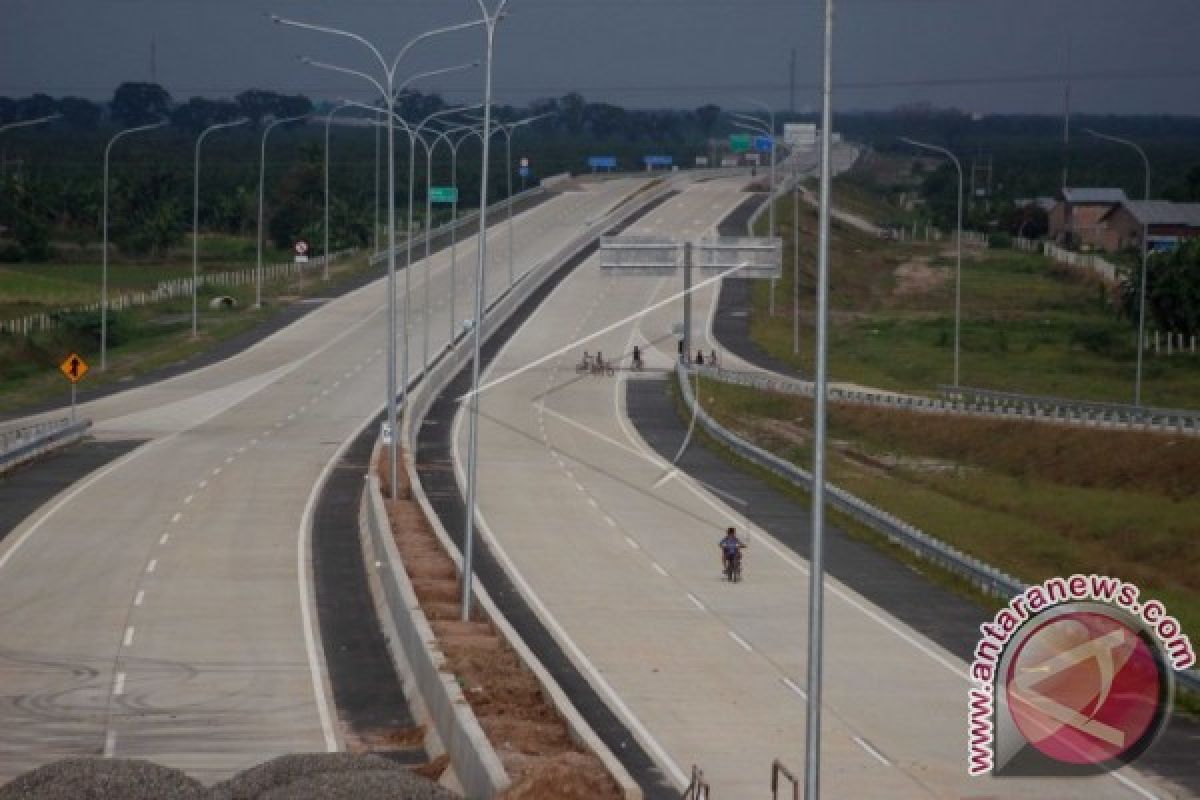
(520, 722)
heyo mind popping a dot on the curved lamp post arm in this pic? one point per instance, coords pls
(278, 20)
(429, 34)
(346, 70)
(25, 123)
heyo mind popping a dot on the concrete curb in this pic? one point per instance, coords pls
(419, 402)
(46, 438)
(474, 761)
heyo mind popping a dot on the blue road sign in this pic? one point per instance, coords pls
(762, 144)
(602, 162)
(657, 161)
(523, 172)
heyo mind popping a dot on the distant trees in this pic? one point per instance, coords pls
(199, 112)
(257, 104)
(1172, 290)
(139, 103)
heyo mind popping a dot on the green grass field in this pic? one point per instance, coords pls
(1035, 500)
(1027, 324)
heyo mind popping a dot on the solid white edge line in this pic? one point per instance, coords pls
(865, 745)
(576, 655)
(696, 601)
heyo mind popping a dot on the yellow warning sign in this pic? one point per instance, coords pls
(74, 368)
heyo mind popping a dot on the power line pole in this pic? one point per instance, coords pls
(792, 84)
(153, 61)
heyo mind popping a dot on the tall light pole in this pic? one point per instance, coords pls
(1141, 340)
(508, 130)
(412, 160)
(387, 89)
(796, 268)
(104, 240)
(816, 577)
(771, 192)
(490, 20)
(262, 173)
(958, 245)
(454, 218)
(329, 121)
(196, 217)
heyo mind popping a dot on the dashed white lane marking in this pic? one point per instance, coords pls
(696, 601)
(119, 685)
(110, 744)
(745, 645)
(290, 416)
(203, 484)
(140, 597)
(791, 684)
(612, 523)
(216, 470)
(658, 568)
(163, 539)
(865, 745)
(153, 565)
(579, 486)
(632, 543)
(128, 640)
(241, 450)
(228, 459)
(188, 499)
(280, 424)
(178, 516)
(253, 442)
(592, 502)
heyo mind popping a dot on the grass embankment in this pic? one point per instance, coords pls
(141, 339)
(1027, 324)
(1035, 500)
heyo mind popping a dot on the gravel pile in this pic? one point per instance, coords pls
(319, 776)
(103, 779)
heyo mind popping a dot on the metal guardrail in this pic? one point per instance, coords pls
(20, 444)
(1074, 413)
(779, 770)
(1036, 403)
(980, 574)
(463, 219)
(698, 788)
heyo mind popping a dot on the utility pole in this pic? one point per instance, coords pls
(792, 84)
(1067, 117)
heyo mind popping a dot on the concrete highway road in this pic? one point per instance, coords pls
(619, 554)
(160, 608)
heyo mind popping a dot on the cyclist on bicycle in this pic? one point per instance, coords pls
(637, 357)
(731, 548)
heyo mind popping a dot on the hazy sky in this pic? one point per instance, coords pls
(1127, 56)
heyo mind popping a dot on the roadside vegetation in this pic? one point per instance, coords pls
(1033, 499)
(141, 339)
(1028, 325)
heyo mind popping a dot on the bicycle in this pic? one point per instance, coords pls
(733, 567)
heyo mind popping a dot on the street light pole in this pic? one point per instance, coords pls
(958, 245)
(490, 20)
(328, 122)
(1141, 341)
(386, 90)
(816, 577)
(262, 174)
(196, 217)
(509, 129)
(104, 240)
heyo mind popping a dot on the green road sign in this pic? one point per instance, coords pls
(443, 194)
(740, 142)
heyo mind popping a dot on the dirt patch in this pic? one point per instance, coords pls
(522, 725)
(917, 277)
